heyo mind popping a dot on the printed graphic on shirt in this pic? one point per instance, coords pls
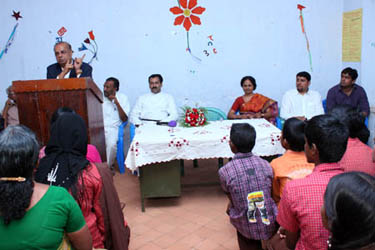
(299, 173)
(255, 200)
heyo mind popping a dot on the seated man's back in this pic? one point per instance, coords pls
(299, 209)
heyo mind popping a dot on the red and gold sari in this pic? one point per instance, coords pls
(257, 103)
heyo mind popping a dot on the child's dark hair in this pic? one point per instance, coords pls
(352, 118)
(293, 132)
(349, 203)
(243, 135)
(329, 135)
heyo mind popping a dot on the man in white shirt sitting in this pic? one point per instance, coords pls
(301, 102)
(155, 106)
(116, 108)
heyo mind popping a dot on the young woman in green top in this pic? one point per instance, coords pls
(34, 215)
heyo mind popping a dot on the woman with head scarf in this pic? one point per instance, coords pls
(65, 165)
(34, 215)
(92, 153)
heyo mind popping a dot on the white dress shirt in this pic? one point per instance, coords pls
(111, 116)
(295, 104)
(112, 122)
(160, 106)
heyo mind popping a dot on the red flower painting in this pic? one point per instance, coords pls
(187, 13)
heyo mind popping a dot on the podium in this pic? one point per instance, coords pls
(38, 99)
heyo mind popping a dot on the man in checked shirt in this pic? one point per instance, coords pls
(299, 209)
(247, 180)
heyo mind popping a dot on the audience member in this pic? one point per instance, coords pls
(92, 152)
(299, 208)
(301, 102)
(154, 106)
(116, 108)
(2, 123)
(66, 67)
(10, 111)
(293, 164)
(348, 211)
(348, 92)
(247, 180)
(34, 215)
(358, 156)
(252, 105)
(65, 165)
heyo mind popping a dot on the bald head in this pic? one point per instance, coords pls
(63, 53)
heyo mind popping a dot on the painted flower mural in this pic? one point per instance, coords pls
(187, 13)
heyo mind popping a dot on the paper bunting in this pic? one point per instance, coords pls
(210, 46)
(301, 7)
(61, 31)
(82, 48)
(93, 46)
(187, 12)
(16, 15)
(60, 34)
(91, 34)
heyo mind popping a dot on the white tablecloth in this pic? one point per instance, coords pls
(155, 144)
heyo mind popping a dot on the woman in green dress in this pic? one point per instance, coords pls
(34, 215)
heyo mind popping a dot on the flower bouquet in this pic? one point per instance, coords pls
(193, 117)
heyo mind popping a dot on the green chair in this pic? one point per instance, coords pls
(215, 114)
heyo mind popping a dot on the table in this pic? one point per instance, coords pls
(155, 151)
(156, 144)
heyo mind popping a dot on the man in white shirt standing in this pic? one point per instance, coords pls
(155, 106)
(302, 102)
(116, 108)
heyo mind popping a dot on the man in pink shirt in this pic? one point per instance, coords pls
(358, 155)
(299, 208)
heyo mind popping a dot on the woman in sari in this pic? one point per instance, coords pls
(252, 105)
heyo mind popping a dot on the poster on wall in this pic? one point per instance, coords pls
(352, 36)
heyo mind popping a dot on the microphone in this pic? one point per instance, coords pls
(170, 124)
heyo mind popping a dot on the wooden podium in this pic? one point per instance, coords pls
(38, 99)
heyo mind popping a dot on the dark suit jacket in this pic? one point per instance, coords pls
(55, 69)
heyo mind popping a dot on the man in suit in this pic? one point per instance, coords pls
(66, 67)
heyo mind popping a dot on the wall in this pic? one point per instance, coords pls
(366, 67)
(138, 38)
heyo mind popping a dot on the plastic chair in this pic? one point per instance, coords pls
(280, 122)
(215, 114)
(324, 103)
(120, 145)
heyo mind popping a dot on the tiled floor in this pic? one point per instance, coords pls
(196, 220)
